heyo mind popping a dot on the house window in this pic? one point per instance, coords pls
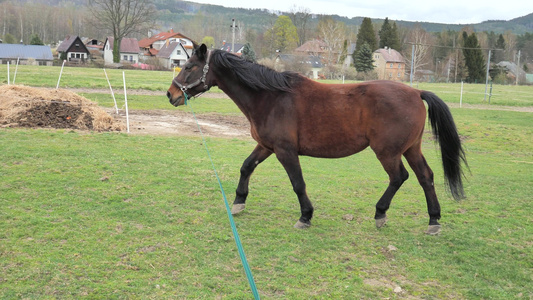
(131, 57)
(125, 57)
(399, 66)
(391, 65)
(390, 75)
(72, 55)
(399, 74)
(178, 52)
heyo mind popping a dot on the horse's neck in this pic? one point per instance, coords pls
(243, 97)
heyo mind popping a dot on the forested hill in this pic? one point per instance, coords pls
(172, 10)
(177, 11)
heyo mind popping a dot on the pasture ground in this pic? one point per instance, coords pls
(110, 215)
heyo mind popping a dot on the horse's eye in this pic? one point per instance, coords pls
(188, 67)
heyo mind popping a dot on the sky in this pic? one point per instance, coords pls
(441, 11)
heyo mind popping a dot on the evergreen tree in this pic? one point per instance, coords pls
(499, 54)
(363, 60)
(474, 60)
(366, 35)
(248, 53)
(35, 40)
(385, 34)
(388, 35)
(395, 40)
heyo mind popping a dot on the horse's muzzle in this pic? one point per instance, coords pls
(176, 102)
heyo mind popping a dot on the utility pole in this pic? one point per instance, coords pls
(487, 78)
(233, 38)
(517, 68)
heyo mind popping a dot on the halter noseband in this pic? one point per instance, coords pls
(184, 88)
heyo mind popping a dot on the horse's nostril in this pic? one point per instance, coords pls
(168, 95)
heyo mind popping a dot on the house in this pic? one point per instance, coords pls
(26, 54)
(348, 61)
(237, 48)
(389, 64)
(151, 46)
(129, 50)
(512, 71)
(312, 64)
(73, 50)
(173, 55)
(313, 47)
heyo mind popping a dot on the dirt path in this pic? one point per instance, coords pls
(175, 122)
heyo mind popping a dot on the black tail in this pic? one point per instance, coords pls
(450, 145)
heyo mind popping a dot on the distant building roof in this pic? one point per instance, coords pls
(167, 50)
(127, 45)
(63, 47)
(390, 55)
(313, 46)
(162, 36)
(227, 47)
(15, 51)
(312, 61)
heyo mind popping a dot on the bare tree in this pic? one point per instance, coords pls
(420, 39)
(122, 18)
(333, 34)
(300, 16)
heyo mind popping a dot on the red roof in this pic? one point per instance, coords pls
(127, 45)
(162, 36)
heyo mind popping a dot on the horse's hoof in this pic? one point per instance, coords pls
(381, 222)
(237, 208)
(301, 225)
(433, 230)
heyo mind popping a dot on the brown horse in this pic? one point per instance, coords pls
(291, 115)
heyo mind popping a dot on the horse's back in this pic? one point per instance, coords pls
(336, 120)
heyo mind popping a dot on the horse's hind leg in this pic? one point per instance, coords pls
(397, 176)
(423, 172)
(291, 163)
(258, 155)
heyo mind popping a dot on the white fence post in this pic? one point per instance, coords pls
(112, 93)
(60, 73)
(126, 102)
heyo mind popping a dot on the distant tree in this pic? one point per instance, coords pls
(474, 61)
(122, 18)
(35, 40)
(248, 53)
(385, 35)
(283, 36)
(367, 35)
(499, 52)
(420, 38)
(9, 39)
(363, 60)
(209, 41)
(300, 17)
(395, 40)
(332, 33)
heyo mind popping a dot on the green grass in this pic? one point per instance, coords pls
(90, 215)
(73, 77)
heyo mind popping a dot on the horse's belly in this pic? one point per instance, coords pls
(335, 147)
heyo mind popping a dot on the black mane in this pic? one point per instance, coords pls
(255, 76)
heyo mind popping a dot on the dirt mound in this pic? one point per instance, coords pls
(22, 106)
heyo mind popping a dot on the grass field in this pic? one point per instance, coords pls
(100, 215)
(90, 78)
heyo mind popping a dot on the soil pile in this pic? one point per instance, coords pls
(22, 106)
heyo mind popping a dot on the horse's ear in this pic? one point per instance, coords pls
(202, 52)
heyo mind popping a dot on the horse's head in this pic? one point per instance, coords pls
(192, 80)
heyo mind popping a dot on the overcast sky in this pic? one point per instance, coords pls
(441, 11)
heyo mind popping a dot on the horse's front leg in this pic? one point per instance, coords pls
(258, 155)
(291, 163)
